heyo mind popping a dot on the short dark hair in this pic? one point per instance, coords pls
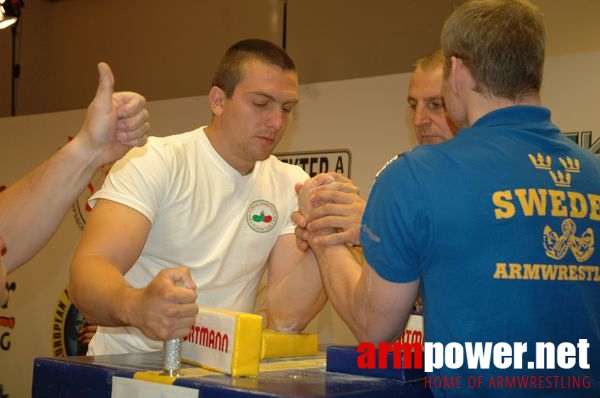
(230, 69)
(502, 42)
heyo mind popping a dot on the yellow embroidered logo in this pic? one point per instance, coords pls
(564, 205)
(556, 246)
(570, 165)
(561, 177)
(540, 161)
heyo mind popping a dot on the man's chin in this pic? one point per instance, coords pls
(431, 140)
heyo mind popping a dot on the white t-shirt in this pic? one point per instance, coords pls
(204, 215)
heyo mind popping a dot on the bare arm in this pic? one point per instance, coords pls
(110, 244)
(294, 289)
(373, 308)
(33, 207)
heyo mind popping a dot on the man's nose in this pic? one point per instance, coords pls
(421, 116)
(276, 119)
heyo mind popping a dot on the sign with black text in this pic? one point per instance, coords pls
(337, 160)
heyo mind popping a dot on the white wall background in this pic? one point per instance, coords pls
(367, 116)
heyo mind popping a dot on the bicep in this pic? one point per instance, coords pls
(115, 232)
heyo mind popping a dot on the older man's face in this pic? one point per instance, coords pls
(429, 117)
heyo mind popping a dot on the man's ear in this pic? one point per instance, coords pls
(216, 98)
(454, 77)
(461, 77)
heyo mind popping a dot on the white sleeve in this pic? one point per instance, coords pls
(139, 180)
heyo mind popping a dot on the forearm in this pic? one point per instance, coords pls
(161, 308)
(33, 208)
(341, 272)
(297, 298)
(165, 307)
(100, 292)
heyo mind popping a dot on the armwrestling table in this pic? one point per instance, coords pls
(100, 376)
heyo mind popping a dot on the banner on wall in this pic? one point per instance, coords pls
(70, 332)
(315, 162)
(585, 139)
(81, 208)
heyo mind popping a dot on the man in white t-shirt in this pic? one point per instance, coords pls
(194, 219)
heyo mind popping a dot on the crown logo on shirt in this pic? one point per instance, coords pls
(561, 176)
(540, 161)
(561, 179)
(570, 165)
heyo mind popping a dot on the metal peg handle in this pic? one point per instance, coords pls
(172, 357)
(172, 352)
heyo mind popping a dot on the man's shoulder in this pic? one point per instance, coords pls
(392, 159)
(175, 139)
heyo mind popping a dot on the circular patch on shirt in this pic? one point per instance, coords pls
(261, 216)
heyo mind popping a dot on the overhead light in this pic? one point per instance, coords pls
(9, 12)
